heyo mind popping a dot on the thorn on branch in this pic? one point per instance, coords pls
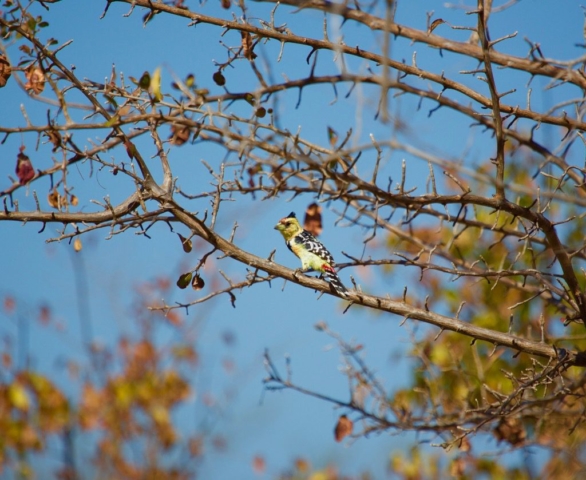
(459, 310)
(232, 299)
(348, 307)
(313, 50)
(438, 334)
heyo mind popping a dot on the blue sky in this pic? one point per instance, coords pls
(280, 426)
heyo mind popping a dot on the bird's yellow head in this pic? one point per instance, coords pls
(289, 226)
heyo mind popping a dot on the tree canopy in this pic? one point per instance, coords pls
(438, 154)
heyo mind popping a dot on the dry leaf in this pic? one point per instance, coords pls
(179, 135)
(9, 304)
(302, 466)
(185, 243)
(5, 70)
(44, 314)
(511, 430)
(465, 445)
(35, 79)
(24, 168)
(457, 467)
(258, 464)
(312, 222)
(247, 46)
(173, 317)
(195, 446)
(56, 200)
(219, 78)
(197, 283)
(436, 23)
(53, 198)
(343, 428)
(55, 139)
(77, 245)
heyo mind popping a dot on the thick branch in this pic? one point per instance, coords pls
(358, 298)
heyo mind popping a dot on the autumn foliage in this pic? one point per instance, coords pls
(454, 198)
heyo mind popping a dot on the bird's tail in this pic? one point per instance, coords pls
(332, 278)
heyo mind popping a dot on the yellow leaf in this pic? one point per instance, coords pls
(156, 84)
(160, 415)
(18, 397)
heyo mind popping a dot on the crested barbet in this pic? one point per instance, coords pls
(313, 255)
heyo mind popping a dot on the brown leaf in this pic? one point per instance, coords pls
(24, 168)
(35, 79)
(44, 314)
(277, 174)
(195, 446)
(174, 318)
(185, 353)
(179, 135)
(457, 467)
(197, 283)
(258, 464)
(55, 139)
(511, 430)
(9, 304)
(247, 46)
(436, 23)
(465, 445)
(53, 198)
(6, 360)
(56, 200)
(225, 4)
(219, 78)
(302, 465)
(5, 70)
(312, 222)
(343, 428)
(185, 243)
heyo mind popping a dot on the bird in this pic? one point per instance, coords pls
(312, 253)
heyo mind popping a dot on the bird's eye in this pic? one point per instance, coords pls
(287, 224)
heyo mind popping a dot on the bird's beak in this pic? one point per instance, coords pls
(276, 227)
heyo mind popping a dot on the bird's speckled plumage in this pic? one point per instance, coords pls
(313, 255)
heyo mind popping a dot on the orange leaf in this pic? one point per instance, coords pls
(312, 222)
(343, 428)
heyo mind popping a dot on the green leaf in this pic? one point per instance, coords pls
(184, 280)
